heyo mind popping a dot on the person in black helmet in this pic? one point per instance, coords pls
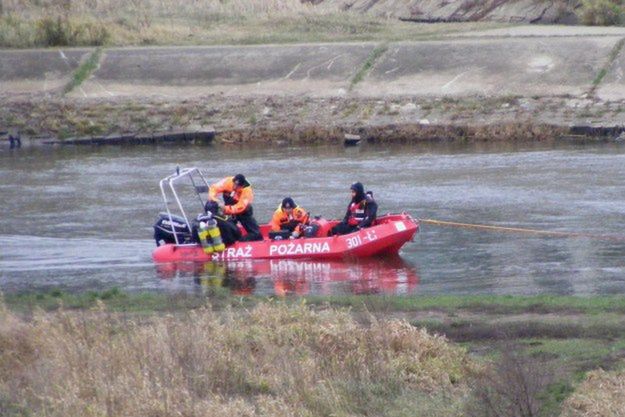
(238, 197)
(289, 217)
(360, 212)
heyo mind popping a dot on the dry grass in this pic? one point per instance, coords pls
(271, 361)
(28, 23)
(600, 395)
(160, 8)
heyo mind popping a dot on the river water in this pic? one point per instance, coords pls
(81, 218)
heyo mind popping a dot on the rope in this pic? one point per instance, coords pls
(521, 230)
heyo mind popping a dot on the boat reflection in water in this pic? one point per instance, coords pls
(282, 277)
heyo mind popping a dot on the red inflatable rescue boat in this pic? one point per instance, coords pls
(387, 236)
(389, 233)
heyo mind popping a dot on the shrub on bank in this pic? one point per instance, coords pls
(602, 12)
(274, 360)
(17, 32)
(65, 32)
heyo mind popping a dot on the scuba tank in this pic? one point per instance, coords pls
(215, 236)
(209, 234)
(205, 240)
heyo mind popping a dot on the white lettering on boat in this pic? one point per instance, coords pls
(353, 241)
(363, 236)
(370, 236)
(234, 252)
(299, 248)
(174, 224)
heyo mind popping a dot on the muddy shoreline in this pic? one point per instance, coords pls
(280, 120)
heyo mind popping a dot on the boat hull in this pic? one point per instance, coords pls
(390, 233)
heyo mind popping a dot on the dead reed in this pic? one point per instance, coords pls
(599, 395)
(34, 23)
(28, 23)
(273, 360)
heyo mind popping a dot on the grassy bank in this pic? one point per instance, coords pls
(220, 298)
(25, 24)
(484, 304)
(296, 120)
(271, 360)
(543, 346)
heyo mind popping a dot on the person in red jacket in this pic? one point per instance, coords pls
(289, 216)
(361, 212)
(238, 196)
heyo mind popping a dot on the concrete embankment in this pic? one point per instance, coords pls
(534, 75)
(516, 11)
(522, 62)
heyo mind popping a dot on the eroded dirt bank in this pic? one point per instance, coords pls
(287, 119)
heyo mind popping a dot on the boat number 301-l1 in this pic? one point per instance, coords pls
(357, 240)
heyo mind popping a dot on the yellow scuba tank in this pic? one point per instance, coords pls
(205, 239)
(215, 235)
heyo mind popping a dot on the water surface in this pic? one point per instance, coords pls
(81, 217)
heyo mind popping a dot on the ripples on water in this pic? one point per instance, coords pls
(80, 218)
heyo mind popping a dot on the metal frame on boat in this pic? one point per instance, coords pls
(171, 180)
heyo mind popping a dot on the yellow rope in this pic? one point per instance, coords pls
(518, 230)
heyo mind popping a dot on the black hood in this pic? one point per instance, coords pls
(360, 192)
(288, 203)
(241, 180)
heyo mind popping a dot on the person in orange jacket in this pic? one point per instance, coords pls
(289, 216)
(238, 196)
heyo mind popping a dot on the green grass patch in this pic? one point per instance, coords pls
(605, 308)
(553, 397)
(494, 304)
(604, 71)
(578, 353)
(580, 348)
(368, 65)
(478, 328)
(600, 75)
(84, 70)
(121, 301)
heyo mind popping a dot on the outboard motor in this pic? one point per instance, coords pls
(164, 230)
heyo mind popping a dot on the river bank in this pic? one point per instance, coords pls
(514, 83)
(281, 120)
(543, 345)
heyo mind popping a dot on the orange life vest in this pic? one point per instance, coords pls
(242, 197)
(281, 219)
